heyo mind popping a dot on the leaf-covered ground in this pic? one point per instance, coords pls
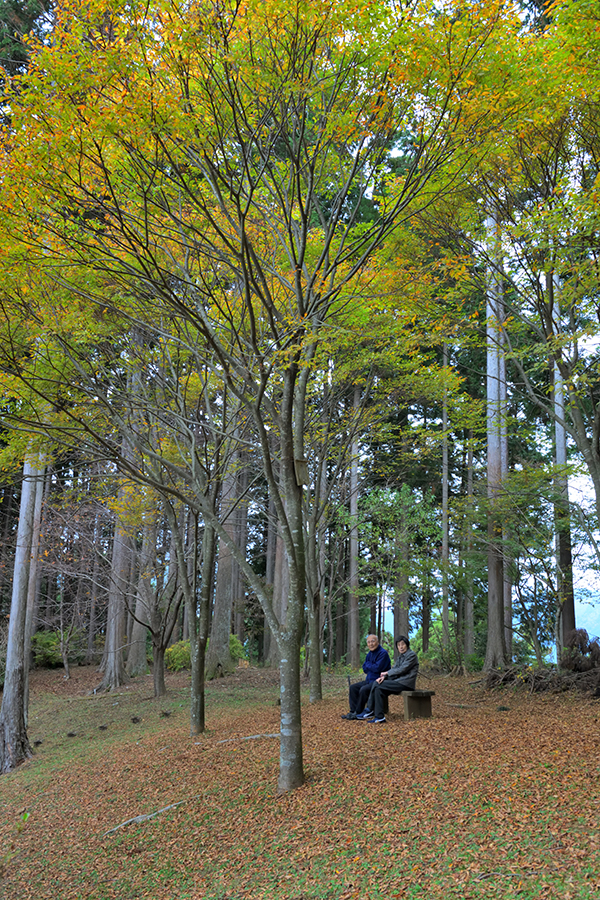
(496, 796)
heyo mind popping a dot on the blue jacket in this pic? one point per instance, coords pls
(376, 662)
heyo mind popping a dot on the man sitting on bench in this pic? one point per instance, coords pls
(376, 661)
(401, 677)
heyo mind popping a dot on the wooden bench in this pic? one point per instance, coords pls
(417, 704)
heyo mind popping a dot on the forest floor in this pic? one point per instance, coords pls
(496, 796)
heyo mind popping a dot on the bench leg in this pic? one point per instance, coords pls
(416, 707)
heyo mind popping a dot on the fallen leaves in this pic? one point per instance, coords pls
(467, 804)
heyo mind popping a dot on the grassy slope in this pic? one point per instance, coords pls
(477, 802)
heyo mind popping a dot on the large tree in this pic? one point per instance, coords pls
(199, 173)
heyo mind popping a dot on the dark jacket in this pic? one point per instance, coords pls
(405, 668)
(376, 662)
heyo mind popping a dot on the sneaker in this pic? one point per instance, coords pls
(367, 714)
(350, 715)
(380, 721)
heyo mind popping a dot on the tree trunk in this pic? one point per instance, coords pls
(314, 654)
(426, 623)
(137, 663)
(271, 550)
(239, 583)
(564, 556)
(218, 658)
(281, 590)
(506, 562)
(314, 570)
(495, 655)
(158, 670)
(291, 770)
(353, 592)
(14, 743)
(340, 630)
(445, 517)
(114, 669)
(91, 647)
(198, 602)
(33, 579)
(291, 773)
(469, 644)
(401, 588)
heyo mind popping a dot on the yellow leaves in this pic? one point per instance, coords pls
(133, 504)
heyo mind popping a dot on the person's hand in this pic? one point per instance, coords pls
(381, 678)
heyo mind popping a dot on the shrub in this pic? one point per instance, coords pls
(474, 662)
(236, 648)
(46, 649)
(178, 657)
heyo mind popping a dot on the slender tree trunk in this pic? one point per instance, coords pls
(564, 556)
(315, 553)
(91, 637)
(401, 589)
(271, 550)
(33, 578)
(137, 663)
(14, 743)
(314, 611)
(353, 591)
(506, 561)
(218, 658)
(199, 618)
(239, 583)
(495, 650)
(469, 604)
(445, 516)
(281, 591)
(426, 616)
(340, 630)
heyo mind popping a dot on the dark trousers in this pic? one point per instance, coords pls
(380, 692)
(358, 695)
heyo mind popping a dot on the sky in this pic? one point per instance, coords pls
(585, 580)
